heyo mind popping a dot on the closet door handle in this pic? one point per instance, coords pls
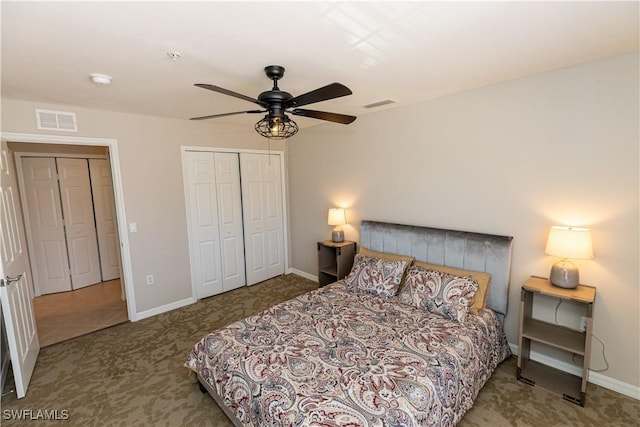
(8, 280)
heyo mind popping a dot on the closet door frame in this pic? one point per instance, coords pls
(25, 208)
(285, 201)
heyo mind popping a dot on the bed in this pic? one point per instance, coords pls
(349, 354)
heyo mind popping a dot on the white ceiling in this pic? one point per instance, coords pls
(406, 51)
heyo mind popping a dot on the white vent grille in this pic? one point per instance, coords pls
(380, 103)
(56, 120)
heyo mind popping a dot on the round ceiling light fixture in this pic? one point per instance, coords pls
(100, 79)
(276, 127)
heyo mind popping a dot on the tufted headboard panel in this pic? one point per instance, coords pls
(460, 249)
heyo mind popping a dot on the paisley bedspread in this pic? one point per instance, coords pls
(334, 357)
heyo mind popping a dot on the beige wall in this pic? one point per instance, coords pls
(151, 170)
(513, 158)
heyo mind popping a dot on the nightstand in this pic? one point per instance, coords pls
(571, 387)
(334, 260)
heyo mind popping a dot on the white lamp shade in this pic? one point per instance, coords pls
(569, 242)
(336, 217)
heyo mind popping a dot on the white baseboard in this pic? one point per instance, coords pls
(594, 377)
(304, 274)
(164, 308)
(187, 301)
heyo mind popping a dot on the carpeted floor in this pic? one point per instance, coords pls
(133, 375)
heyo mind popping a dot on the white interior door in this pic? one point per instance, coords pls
(263, 216)
(77, 209)
(15, 286)
(204, 237)
(227, 178)
(105, 215)
(49, 246)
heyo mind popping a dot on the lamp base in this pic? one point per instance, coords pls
(337, 236)
(564, 275)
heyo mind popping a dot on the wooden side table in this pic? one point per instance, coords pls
(334, 260)
(571, 387)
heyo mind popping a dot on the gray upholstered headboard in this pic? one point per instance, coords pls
(460, 249)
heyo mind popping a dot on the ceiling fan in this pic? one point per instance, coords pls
(275, 102)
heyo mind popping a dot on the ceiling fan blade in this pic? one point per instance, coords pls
(231, 93)
(213, 116)
(322, 115)
(333, 90)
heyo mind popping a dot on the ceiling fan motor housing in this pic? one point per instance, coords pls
(275, 99)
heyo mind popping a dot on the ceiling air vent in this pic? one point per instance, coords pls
(56, 120)
(380, 103)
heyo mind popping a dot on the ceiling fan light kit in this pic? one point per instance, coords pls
(277, 127)
(276, 124)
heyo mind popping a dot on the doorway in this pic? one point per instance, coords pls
(69, 212)
(111, 146)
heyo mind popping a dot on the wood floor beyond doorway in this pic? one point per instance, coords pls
(67, 315)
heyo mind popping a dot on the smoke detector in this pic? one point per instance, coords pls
(100, 79)
(174, 56)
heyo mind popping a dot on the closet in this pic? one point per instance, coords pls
(70, 216)
(235, 215)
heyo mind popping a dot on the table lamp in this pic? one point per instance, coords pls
(568, 242)
(337, 217)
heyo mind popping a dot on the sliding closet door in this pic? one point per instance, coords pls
(227, 170)
(105, 213)
(204, 238)
(214, 206)
(77, 208)
(263, 216)
(50, 265)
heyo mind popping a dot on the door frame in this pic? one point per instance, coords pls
(19, 156)
(114, 160)
(285, 200)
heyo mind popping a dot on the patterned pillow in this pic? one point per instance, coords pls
(376, 275)
(438, 292)
(484, 279)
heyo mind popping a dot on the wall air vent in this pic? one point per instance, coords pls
(56, 120)
(380, 103)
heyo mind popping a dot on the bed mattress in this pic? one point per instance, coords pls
(339, 357)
